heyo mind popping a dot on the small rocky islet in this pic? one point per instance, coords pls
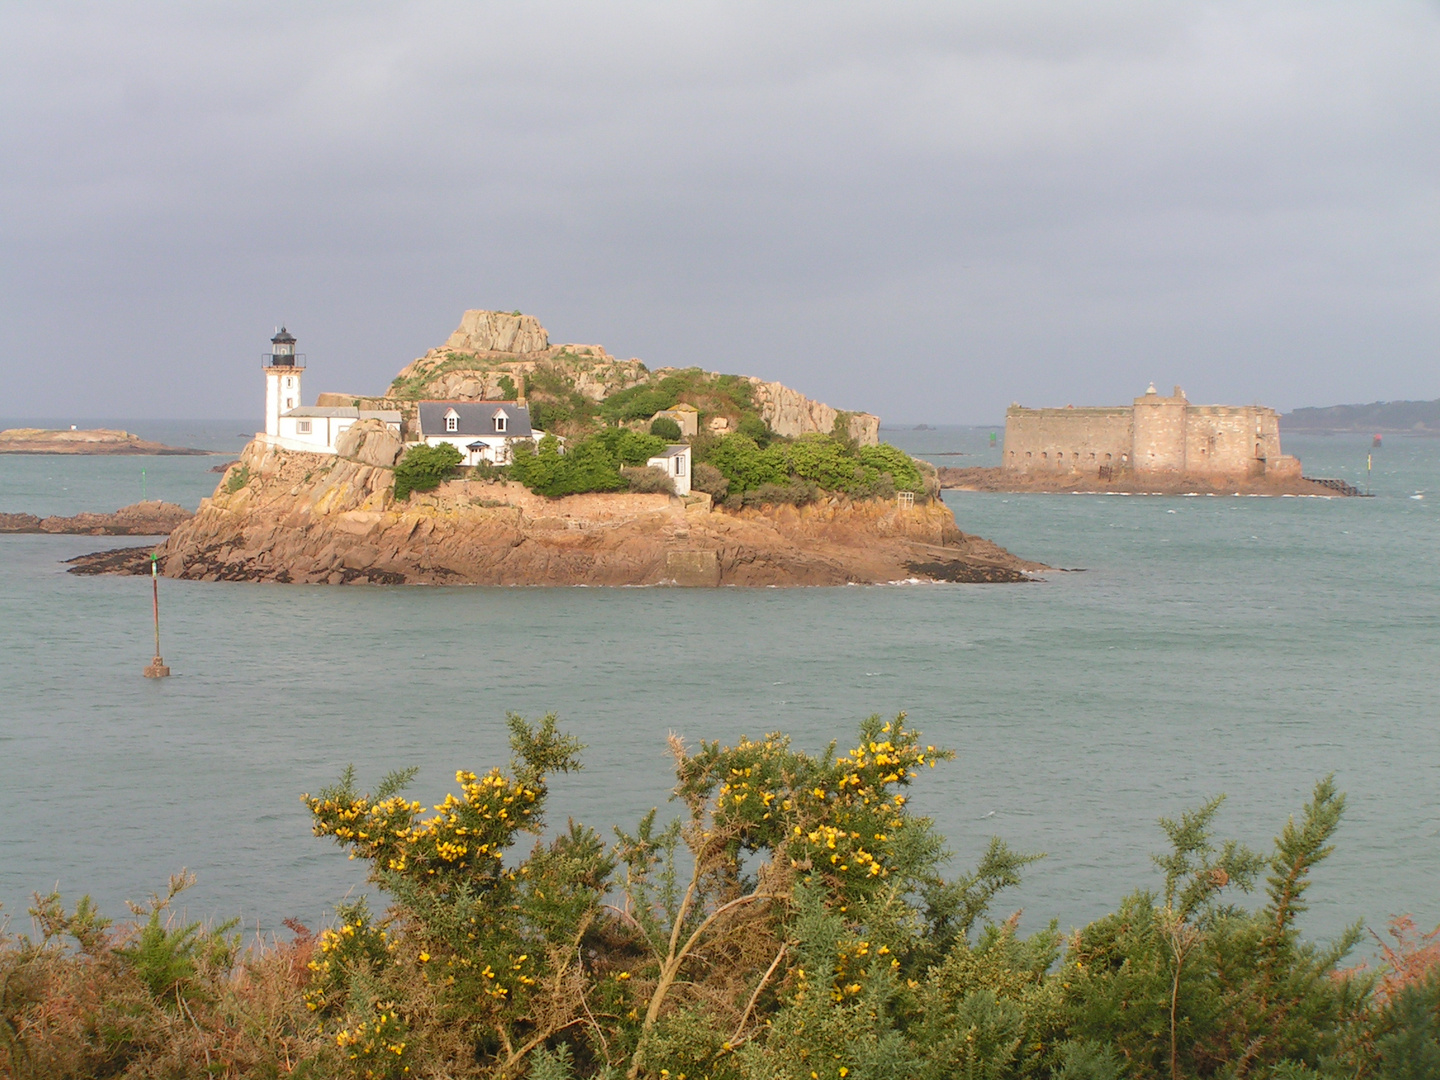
(286, 515)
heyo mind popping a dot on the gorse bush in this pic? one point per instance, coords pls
(424, 467)
(794, 920)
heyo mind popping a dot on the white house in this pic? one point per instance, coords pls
(675, 462)
(291, 426)
(317, 428)
(480, 430)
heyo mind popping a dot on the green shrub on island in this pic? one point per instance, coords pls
(664, 427)
(586, 465)
(717, 395)
(237, 479)
(424, 467)
(794, 920)
(812, 463)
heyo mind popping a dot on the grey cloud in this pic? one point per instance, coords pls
(925, 210)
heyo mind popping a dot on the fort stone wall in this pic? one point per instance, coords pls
(1231, 440)
(1067, 440)
(1164, 438)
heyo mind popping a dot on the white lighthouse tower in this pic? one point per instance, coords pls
(283, 368)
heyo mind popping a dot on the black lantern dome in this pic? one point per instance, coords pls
(282, 349)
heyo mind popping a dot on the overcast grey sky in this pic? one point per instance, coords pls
(923, 210)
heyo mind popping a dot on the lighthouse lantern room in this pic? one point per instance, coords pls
(283, 368)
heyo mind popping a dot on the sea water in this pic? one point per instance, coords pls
(1189, 647)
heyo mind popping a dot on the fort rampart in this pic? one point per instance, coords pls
(1155, 437)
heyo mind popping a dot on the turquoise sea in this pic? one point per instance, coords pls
(1199, 645)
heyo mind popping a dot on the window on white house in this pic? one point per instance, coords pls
(452, 423)
(289, 403)
(500, 422)
(679, 466)
(302, 427)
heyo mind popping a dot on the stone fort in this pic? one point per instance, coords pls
(1155, 438)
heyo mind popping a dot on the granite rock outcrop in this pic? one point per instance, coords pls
(314, 518)
(492, 354)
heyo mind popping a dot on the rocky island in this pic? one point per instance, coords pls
(786, 490)
(151, 518)
(92, 441)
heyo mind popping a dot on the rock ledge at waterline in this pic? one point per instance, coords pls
(317, 518)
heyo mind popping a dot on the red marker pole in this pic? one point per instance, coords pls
(157, 668)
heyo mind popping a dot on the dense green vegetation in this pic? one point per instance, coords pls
(800, 469)
(795, 920)
(751, 464)
(590, 464)
(721, 395)
(665, 428)
(424, 467)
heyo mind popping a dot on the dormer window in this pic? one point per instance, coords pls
(452, 421)
(500, 421)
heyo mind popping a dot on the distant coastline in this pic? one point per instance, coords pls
(1378, 417)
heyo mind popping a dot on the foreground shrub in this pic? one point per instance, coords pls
(424, 467)
(87, 998)
(791, 921)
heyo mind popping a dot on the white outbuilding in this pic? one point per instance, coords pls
(675, 462)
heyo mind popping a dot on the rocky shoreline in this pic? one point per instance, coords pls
(998, 480)
(291, 517)
(99, 441)
(153, 518)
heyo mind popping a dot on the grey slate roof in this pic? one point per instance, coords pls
(475, 418)
(347, 412)
(672, 451)
(326, 410)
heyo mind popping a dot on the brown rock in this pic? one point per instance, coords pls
(371, 442)
(339, 527)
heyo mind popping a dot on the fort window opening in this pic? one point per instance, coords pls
(302, 427)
